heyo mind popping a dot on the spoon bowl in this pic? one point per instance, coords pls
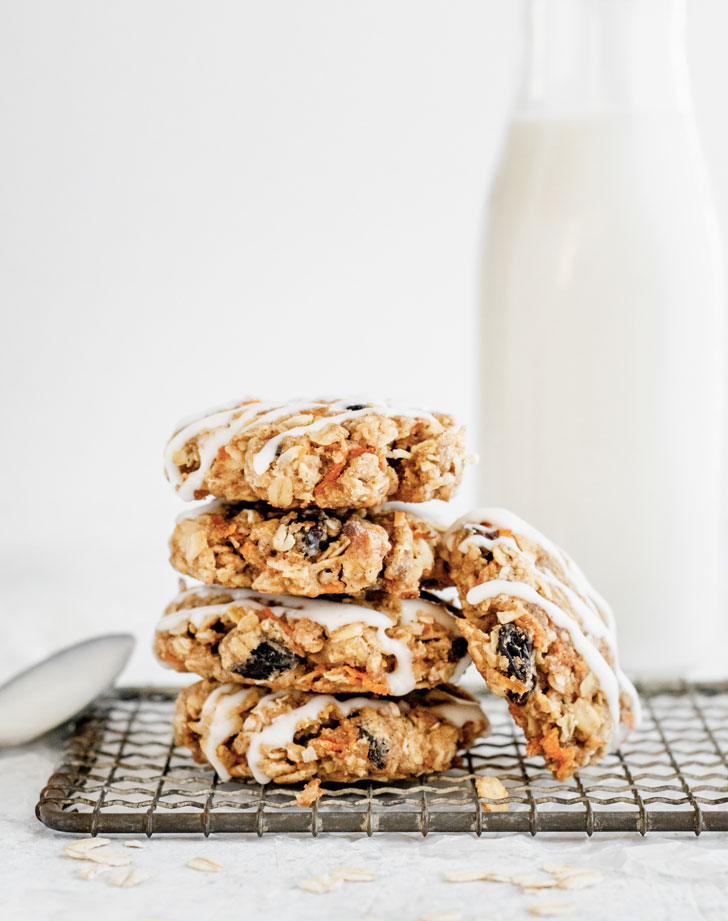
(50, 692)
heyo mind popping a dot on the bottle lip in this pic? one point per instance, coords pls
(604, 55)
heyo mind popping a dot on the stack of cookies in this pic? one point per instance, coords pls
(323, 652)
(323, 656)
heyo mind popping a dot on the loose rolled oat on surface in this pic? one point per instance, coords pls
(378, 645)
(205, 865)
(291, 736)
(549, 909)
(126, 877)
(308, 552)
(491, 788)
(330, 453)
(542, 637)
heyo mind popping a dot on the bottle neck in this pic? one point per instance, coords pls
(604, 57)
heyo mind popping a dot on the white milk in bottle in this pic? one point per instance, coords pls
(600, 360)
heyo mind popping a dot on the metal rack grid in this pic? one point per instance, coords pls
(121, 772)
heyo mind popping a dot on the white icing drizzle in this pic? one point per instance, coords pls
(282, 729)
(410, 610)
(431, 513)
(194, 417)
(205, 591)
(458, 711)
(197, 510)
(224, 423)
(460, 669)
(221, 426)
(502, 519)
(222, 709)
(596, 615)
(330, 614)
(594, 659)
(399, 681)
(487, 543)
(264, 458)
(198, 615)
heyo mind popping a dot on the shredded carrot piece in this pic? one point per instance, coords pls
(564, 757)
(331, 476)
(362, 678)
(224, 528)
(332, 742)
(334, 472)
(267, 614)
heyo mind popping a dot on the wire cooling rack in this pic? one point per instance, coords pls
(121, 772)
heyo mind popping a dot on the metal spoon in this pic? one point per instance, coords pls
(52, 691)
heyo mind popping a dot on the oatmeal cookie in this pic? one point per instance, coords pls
(308, 552)
(381, 646)
(291, 736)
(346, 453)
(542, 637)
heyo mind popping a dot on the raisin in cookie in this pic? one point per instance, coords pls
(542, 637)
(308, 552)
(238, 636)
(291, 736)
(328, 453)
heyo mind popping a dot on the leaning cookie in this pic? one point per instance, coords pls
(386, 647)
(542, 637)
(308, 552)
(326, 453)
(291, 736)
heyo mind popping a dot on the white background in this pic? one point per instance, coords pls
(200, 200)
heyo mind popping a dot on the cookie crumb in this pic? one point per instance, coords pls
(133, 843)
(490, 788)
(205, 865)
(310, 793)
(549, 909)
(125, 878)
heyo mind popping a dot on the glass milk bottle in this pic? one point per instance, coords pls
(600, 355)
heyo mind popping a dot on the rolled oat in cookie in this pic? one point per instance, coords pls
(378, 644)
(542, 637)
(329, 453)
(308, 552)
(290, 736)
